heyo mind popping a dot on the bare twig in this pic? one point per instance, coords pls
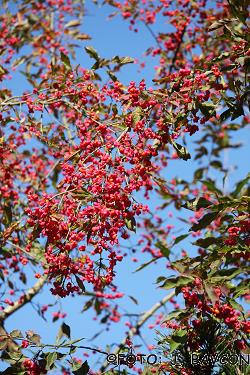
(177, 50)
(27, 297)
(136, 329)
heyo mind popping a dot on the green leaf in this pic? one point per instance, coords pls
(145, 264)
(50, 360)
(122, 60)
(239, 111)
(64, 331)
(126, 60)
(180, 314)
(164, 250)
(33, 337)
(179, 338)
(87, 305)
(208, 241)
(92, 53)
(235, 304)
(180, 238)
(3, 70)
(241, 290)
(208, 109)
(160, 279)
(181, 151)
(16, 333)
(204, 221)
(216, 164)
(18, 61)
(130, 223)
(137, 115)
(216, 25)
(7, 213)
(240, 186)
(198, 174)
(225, 115)
(203, 203)
(210, 184)
(83, 37)
(225, 274)
(197, 203)
(66, 61)
(73, 23)
(174, 345)
(80, 283)
(83, 370)
(112, 76)
(174, 282)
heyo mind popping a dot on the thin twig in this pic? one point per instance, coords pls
(135, 330)
(27, 297)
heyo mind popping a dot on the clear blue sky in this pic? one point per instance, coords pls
(112, 38)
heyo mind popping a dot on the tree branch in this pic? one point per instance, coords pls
(177, 50)
(135, 330)
(27, 297)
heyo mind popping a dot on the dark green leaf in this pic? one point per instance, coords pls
(180, 314)
(87, 305)
(239, 111)
(112, 76)
(64, 331)
(50, 360)
(235, 304)
(181, 151)
(173, 282)
(83, 370)
(80, 283)
(164, 250)
(225, 275)
(198, 174)
(92, 53)
(208, 109)
(204, 221)
(206, 242)
(180, 238)
(66, 61)
(197, 203)
(160, 279)
(240, 186)
(145, 264)
(225, 115)
(211, 186)
(130, 223)
(216, 164)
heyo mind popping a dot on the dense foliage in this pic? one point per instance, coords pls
(82, 153)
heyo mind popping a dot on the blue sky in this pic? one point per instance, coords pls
(112, 38)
